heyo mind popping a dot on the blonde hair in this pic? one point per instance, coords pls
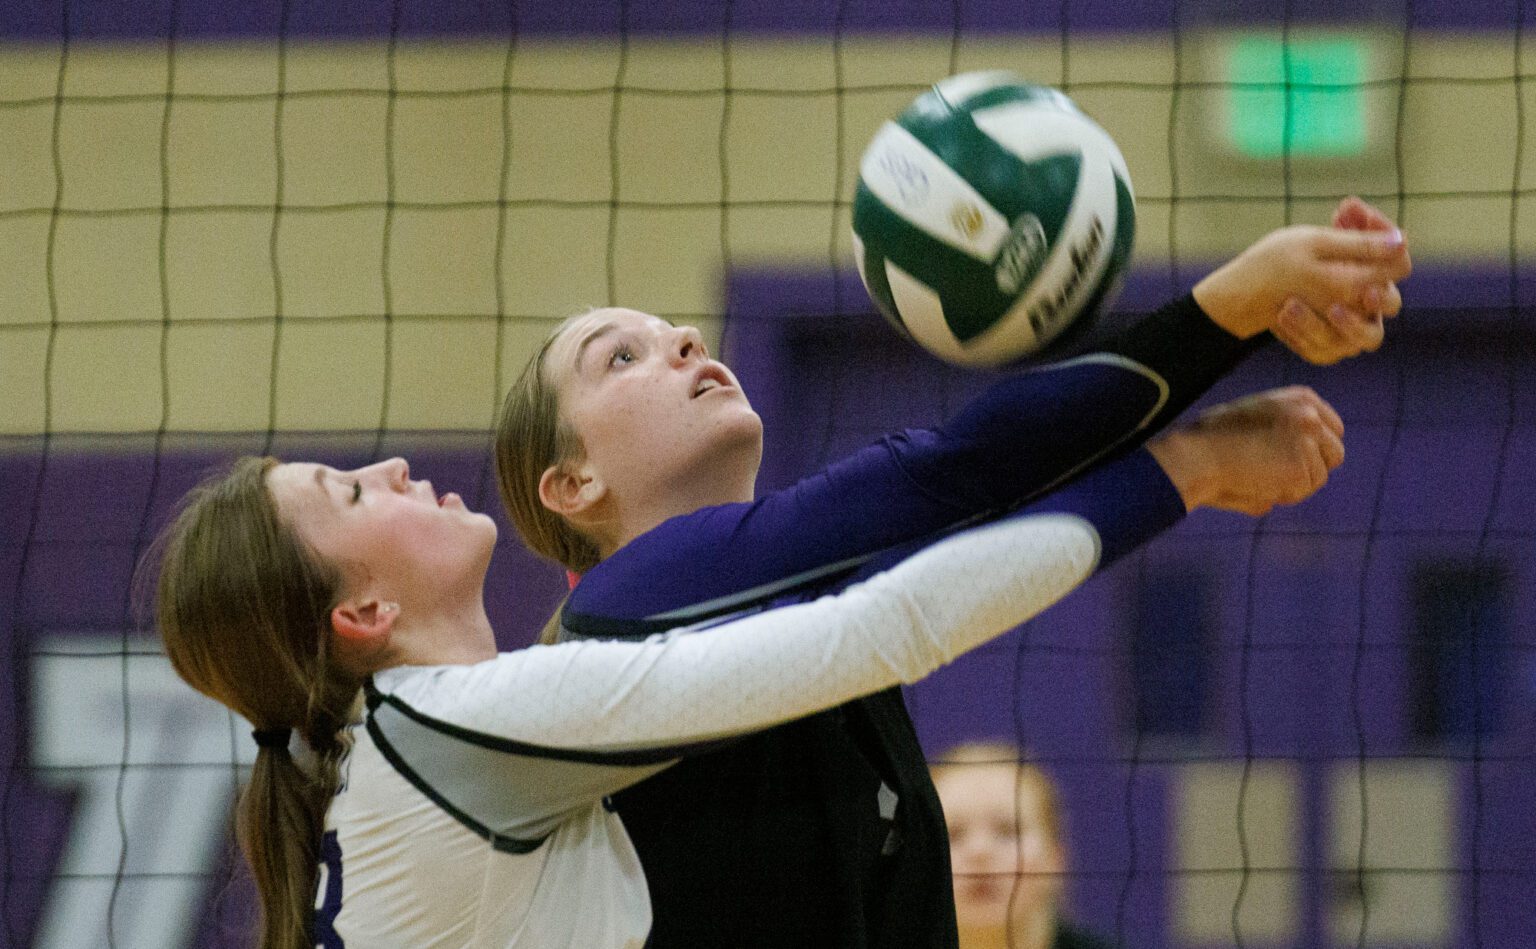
(530, 438)
(1003, 753)
(244, 608)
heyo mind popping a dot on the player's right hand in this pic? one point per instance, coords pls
(1254, 453)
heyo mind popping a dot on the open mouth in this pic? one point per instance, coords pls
(709, 378)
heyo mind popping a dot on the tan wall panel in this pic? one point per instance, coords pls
(555, 261)
(1221, 859)
(443, 260)
(24, 278)
(444, 373)
(218, 265)
(668, 261)
(785, 131)
(331, 263)
(332, 149)
(782, 148)
(312, 67)
(1463, 137)
(23, 354)
(1411, 811)
(330, 375)
(106, 378)
(109, 154)
(113, 69)
(675, 64)
(220, 152)
(227, 69)
(559, 148)
(31, 72)
(450, 66)
(782, 235)
(26, 138)
(221, 377)
(803, 65)
(669, 148)
(108, 268)
(565, 65)
(448, 149)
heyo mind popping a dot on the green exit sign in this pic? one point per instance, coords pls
(1303, 97)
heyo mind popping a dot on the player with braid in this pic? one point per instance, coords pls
(414, 788)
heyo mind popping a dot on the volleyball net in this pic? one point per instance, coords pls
(338, 232)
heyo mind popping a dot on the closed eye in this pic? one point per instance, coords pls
(357, 491)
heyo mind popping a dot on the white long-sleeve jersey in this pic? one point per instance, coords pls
(472, 812)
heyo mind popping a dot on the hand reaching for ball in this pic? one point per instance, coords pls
(1323, 291)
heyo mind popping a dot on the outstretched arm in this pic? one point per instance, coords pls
(1019, 439)
(550, 729)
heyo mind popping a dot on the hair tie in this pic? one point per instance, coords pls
(272, 737)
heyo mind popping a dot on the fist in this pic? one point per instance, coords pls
(1251, 454)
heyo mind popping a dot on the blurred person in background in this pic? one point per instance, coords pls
(1006, 849)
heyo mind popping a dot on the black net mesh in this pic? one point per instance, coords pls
(338, 233)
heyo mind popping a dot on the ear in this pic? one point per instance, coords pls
(571, 491)
(364, 622)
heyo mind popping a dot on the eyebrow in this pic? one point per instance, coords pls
(592, 337)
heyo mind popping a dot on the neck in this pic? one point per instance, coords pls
(675, 499)
(457, 635)
(1037, 932)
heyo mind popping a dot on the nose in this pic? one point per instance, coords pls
(687, 345)
(393, 473)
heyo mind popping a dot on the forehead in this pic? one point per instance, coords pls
(567, 346)
(296, 489)
(982, 783)
(571, 336)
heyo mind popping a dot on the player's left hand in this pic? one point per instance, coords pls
(1323, 339)
(1323, 291)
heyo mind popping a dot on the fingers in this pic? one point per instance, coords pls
(1359, 332)
(1357, 215)
(1386, 250)
(1331, 420)
(1308, 334)
(1319, 442)
(1325, 339)
(1365, 287)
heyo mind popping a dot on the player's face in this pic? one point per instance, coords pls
(382, 528)
(1004, 859)
(650, 407)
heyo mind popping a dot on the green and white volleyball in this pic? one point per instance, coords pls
(990, 217)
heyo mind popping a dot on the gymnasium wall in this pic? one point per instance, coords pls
(337, 231)
(463, 188)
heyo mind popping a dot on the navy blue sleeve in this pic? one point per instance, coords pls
(1022, 437)
(1128, 501)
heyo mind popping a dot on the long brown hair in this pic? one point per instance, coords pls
(530, 437)
(244, 608)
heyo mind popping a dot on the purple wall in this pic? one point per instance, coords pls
(219, 19)
(1309, 660)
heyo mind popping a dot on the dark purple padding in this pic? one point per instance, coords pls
(362, 19)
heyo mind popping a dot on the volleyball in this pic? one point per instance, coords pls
(992, 218)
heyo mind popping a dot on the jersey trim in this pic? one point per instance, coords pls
(637, 757)
(592, 626)
(500, 842)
